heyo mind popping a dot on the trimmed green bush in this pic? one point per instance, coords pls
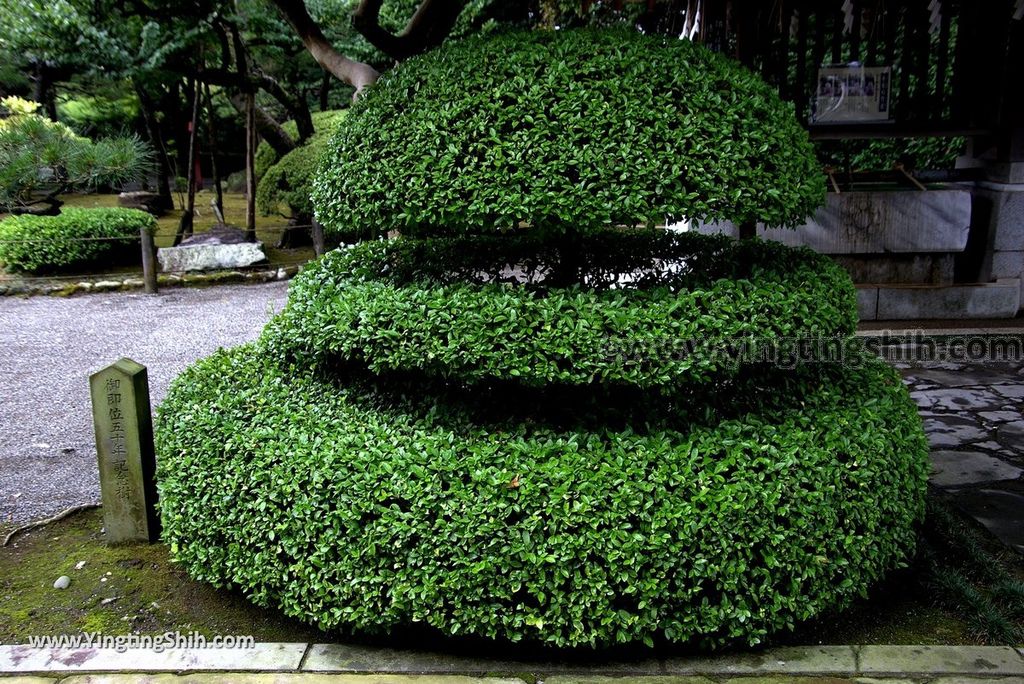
(289, 180)
(576, 129)
(412, 305)
(350, 506)
(323, 122)
(525, 419)
(72, 239)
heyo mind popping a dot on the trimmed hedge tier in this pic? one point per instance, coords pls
(350, 507)
(573, 129)
(446, 307)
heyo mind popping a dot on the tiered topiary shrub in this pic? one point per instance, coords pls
(534, 416)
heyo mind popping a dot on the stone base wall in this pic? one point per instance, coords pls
(1003, 259)
(908, 251)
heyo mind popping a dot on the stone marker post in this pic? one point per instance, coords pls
(124, 444)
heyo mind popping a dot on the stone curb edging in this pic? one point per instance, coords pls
(84, 286)
(902, 335)
(822, 661)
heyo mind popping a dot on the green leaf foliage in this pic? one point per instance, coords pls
(449, 307)
(75, 237)
(287, 183)
(578, 128)
(350, 506)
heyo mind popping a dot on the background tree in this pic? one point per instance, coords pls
(42, 159)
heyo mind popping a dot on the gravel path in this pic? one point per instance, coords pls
(48, 348)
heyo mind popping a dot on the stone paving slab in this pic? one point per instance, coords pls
(263, 657)
(793, 660)
(953, 431)
(1010, 391)
(957, 468)
(278, 678)
(941, 660)
(972, 680)
(1000, 511)
(642, 679)
(334, 663)
(301, 678)
(347, 658)
(973, 415)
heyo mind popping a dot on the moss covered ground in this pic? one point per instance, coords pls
(135, 588)
(117, 590)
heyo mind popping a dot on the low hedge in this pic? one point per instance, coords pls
(349, 508)
(74, 238)
(579, 128)
(405, 305)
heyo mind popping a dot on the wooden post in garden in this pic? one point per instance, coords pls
(149, 261)
(317, 232)
(124, 446)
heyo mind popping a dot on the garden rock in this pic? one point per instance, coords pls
(63, 582)
(148, 202)
(223, 247)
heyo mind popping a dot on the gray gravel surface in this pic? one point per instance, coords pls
(48, 348)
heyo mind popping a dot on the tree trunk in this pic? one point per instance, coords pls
(568, 271)
(163, 164)
(250, 168)
(268, 129)
(183, 94)
(297, 107)
(212, 145)
(42, 91)
(185, 225)
(325, 92)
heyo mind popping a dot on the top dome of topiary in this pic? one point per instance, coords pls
(579, 128)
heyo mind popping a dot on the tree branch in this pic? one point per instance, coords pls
(427, 28)
(297, 108)
(354, 73)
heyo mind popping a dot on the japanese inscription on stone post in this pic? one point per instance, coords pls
(124, 445)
